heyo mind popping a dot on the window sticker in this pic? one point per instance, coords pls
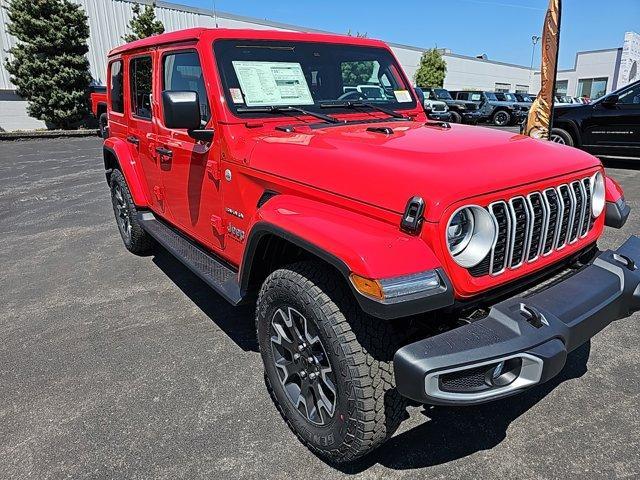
(236, 95)
(272, 83)
(402, 96)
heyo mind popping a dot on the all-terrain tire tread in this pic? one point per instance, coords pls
(368, 345)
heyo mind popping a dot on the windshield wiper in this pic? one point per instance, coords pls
(287, 109)
(357, 104)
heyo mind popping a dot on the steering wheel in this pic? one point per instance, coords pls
(352, 95)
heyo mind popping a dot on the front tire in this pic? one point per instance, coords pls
(135, 239)
(501, 118)
(338, 396)
(561, 136)
(455, 117)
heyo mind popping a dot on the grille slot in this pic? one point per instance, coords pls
(537, 225)
(520, 219)
(500, 252)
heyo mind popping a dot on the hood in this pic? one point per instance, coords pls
(442, 165)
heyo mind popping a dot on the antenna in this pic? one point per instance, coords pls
(215, 13)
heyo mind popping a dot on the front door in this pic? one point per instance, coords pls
(614, 130)
(190, 169)
(140, 135)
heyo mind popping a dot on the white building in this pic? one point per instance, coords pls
(108, 20)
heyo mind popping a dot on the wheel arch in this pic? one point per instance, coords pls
(571, 128)
(287, 229)
(116, 155)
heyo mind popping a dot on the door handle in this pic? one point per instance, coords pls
(134, 140)
(164, 152)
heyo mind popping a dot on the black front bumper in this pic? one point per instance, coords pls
(525, 340)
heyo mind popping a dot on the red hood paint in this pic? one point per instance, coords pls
(441, 165)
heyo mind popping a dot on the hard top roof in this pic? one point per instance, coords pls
(211, 34)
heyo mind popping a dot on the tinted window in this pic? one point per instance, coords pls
(182, 72)
(140, 79)
(631, 96)
(443, 94)
(117, 90)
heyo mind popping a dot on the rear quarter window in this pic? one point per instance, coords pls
(116, 86)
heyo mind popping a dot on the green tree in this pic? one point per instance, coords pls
(48, 64)
(356, 73)
(432, 69)
(144, 23)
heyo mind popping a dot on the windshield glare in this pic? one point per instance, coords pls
(257, 73)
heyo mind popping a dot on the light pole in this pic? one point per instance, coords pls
(534, 40)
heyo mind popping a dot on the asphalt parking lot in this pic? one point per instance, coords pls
(115, 366)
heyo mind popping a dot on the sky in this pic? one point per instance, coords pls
(502, 29)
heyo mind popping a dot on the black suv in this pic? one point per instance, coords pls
(461, 111)
(500, 113)
(608, 127)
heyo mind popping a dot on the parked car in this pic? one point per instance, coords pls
(98, 98)
(390, 258)
(608, 127)
(510, 97)
(500, 113)
(461, 111)
(434, 109)
(525, 97)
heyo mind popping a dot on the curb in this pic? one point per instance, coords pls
(47, 134)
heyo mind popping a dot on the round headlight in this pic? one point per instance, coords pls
(597, 194)
(471, 232)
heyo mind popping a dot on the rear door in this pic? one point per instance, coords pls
(141, 118)
(615, 130)
(190, 169)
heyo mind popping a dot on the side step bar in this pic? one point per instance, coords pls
(211, 270)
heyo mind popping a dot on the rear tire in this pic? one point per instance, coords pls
(363, 408)
(561, 136)
(501, 118)
(455, 117)
(135, 239)
(103, 126)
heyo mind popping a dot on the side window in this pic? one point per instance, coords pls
(631, 97)
(140, 86)
(182, 72)
(117, 87)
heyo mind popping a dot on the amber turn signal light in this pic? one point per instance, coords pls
(368, 287)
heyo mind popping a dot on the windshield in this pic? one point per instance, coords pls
(257, 73)
(442, 94)
(491, 97)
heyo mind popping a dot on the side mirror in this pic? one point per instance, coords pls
(610, 100)
(181, 110)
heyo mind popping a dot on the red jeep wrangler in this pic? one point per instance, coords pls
(393, 258)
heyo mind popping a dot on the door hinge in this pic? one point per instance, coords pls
(218, 224)
(213, 169)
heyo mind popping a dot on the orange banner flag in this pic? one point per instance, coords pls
(541, 112)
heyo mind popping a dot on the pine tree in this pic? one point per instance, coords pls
(144, 23)
(432, 69)
(48, 64)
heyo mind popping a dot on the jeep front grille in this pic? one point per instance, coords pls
(536, 225)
